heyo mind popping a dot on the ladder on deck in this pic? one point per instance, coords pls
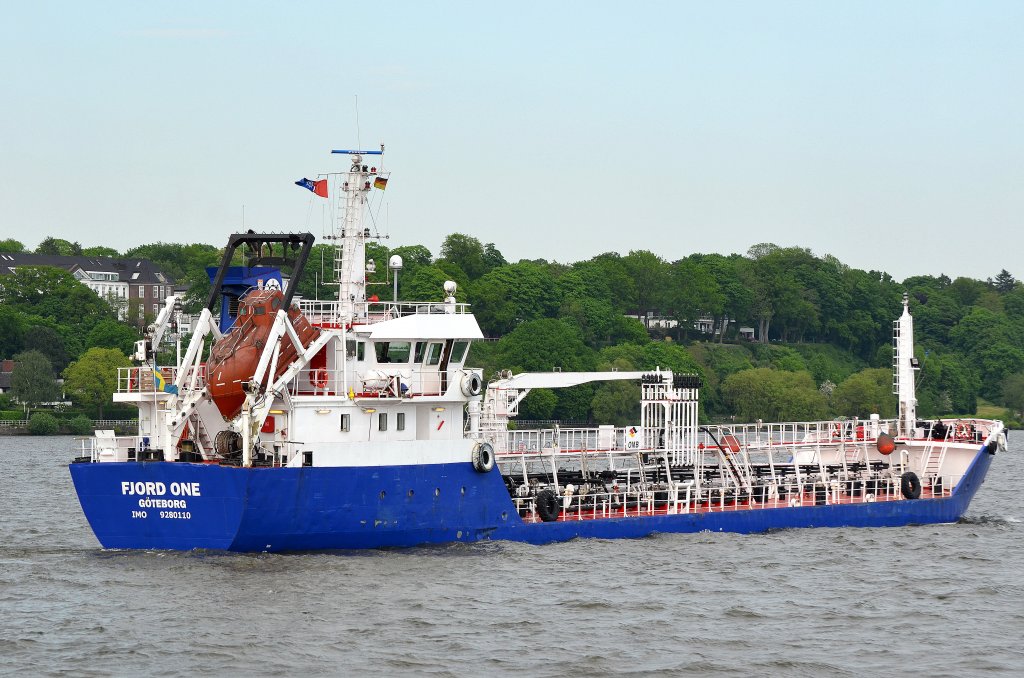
(934, 456)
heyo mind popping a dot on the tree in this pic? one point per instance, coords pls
(692, 293)
(864, 393)
(112, 334)
(492, 257)
(467, 252)
(1004, 282)
(617, 402)
(43, 424)
(539, 403)
(543, 345)
(50, 343)
(59, 246)
(92, 379)
(176, 260)
(650, 279)
(53, 293)
(1013, 393)
(32, 381)
(426, 284)
(100, 251)
(767, 394)
(12, 246)
(12, 331)
(513, 294)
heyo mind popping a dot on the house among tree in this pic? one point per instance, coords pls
(6, 368)
(122, 282)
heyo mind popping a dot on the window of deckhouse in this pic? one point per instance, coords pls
(459, 351)
(392, 351)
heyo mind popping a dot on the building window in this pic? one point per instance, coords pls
(156, 291)
(400, 421)
(346, 422)
(382, 421)
(156, 309)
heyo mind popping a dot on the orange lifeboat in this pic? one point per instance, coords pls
(234, 357)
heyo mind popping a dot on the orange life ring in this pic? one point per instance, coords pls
(318, 378)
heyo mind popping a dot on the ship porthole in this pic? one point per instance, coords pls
(437, 491)
(382, 493)
(463, 491)
(411, 493)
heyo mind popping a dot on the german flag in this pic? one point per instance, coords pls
(380, 182)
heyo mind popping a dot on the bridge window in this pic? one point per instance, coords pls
(392, 351)
(400, 421)
(434, 353)
(421, 350)
(346, 422)
(459, 351)
(382, 421)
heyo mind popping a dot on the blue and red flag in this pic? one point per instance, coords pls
(318, 187)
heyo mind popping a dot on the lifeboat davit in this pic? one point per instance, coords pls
(234, 357)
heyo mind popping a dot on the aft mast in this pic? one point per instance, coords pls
(351, 235)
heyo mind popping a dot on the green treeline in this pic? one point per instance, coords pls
(822, 331)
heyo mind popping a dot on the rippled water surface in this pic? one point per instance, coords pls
(937, 600)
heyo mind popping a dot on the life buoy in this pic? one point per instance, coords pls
(318, 378)
(483, 457)
(910, 485)
(548, 506)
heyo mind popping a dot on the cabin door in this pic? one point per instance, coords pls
(435, 367)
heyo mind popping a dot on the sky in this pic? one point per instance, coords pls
(888, 134)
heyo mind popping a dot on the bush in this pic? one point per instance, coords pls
(79, 425)
(43, 424)
(12, 415)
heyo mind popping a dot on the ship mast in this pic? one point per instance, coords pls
(903, 365)
(350, 236)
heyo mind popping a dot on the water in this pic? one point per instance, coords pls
(947, 600)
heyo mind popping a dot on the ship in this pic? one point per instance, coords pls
(357, 423)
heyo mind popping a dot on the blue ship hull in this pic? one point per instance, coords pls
(164, 505)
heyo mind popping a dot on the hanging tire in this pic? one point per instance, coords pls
(548, 506)
(910, 485)
(483, 457)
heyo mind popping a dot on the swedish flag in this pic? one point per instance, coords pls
(160, 384)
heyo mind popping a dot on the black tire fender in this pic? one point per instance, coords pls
(910, 485)
(548, 506)
(483, 457)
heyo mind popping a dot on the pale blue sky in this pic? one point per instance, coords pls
(886, 133)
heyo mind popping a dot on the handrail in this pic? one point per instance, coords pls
(330, 313)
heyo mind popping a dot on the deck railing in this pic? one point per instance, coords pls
(143, 379)
(632, 501)
(331, 313)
